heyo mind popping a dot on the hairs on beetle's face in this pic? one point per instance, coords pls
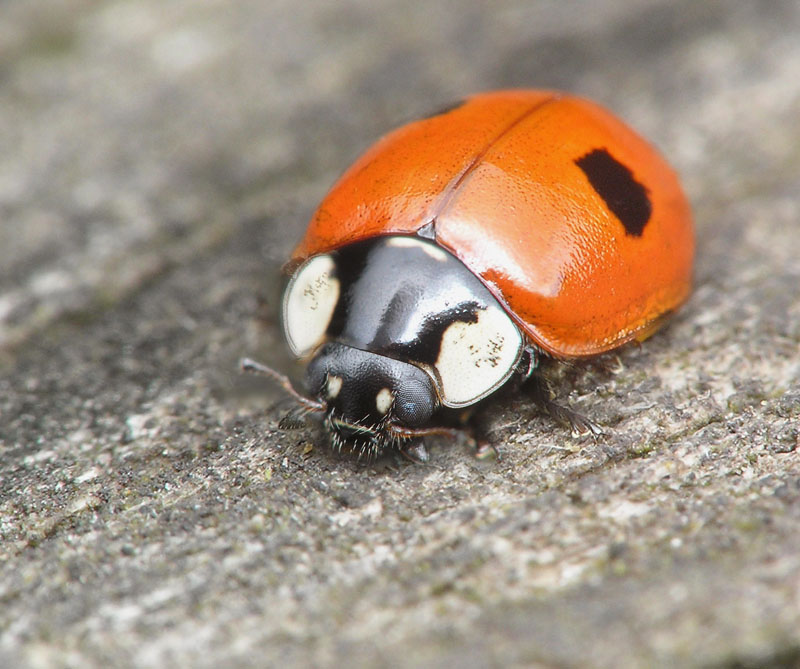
(399, 423)
(366, 440)
(371, 403)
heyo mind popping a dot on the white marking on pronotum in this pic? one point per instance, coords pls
(384, 400)
(308, 304)
(333, 386)
(409, 242)
(477, 358)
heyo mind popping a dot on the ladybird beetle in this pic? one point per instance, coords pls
(463, 249)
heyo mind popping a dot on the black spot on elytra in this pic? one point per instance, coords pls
(625, 197)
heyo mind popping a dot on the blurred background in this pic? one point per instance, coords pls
(161, 126)
(158, 160)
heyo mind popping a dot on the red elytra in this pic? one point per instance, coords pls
(573, 221)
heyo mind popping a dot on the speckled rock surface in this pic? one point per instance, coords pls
(157, 162)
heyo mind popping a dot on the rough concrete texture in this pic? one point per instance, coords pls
(158, 160)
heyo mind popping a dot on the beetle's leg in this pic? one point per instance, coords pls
(414, 450)
(528, 362)
(478, 427)
(580, 425)
(411, 439)
(486, 450)
(294, 419)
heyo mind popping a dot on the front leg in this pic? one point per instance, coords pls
(414, 449)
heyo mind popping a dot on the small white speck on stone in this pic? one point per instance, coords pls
(88, 475)
(623, 511)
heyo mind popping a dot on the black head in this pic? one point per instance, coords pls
(368, 397)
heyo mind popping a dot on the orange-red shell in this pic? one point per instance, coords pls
(499, 179)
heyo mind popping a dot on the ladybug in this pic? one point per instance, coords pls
(464, 249)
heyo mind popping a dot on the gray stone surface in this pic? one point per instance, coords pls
(158, 160)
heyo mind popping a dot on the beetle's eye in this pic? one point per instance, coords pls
(414, 403)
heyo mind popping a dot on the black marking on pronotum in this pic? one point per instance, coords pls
(349, 263)
(392, 320)
(426, 347)
(625, 197)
